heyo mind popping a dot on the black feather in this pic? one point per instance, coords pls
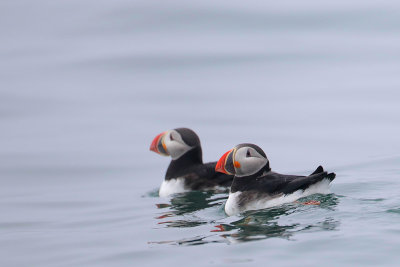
(272, 183)
(197, 176)
(318, 170)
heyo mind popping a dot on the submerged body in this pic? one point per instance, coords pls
(185, 175)
(271, 192)
(255, 186)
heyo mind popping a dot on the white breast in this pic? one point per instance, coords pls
(232, 207)
(172, 186)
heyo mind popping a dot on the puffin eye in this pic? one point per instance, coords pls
(248, 153)
(171, 138)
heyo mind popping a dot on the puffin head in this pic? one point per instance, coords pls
(175, 143)
(242, 160)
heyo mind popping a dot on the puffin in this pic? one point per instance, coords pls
(255, 186)
(187, 172)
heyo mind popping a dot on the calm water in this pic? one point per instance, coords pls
(86, 85)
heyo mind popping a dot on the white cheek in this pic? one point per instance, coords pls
(250, 166)
(176, 149)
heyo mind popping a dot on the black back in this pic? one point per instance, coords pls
(196, 174)
(268, 184)
(272, 183)
(189, 137)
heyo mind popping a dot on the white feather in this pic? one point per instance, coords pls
(172, 186)
(248, 165)
(232, 208)
(176, 147)
(231, 205)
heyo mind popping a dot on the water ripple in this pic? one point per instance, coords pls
(285, 221)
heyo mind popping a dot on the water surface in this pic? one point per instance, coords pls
(86, 85)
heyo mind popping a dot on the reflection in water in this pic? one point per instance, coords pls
(197, 240)
(187, 203)
(183, 223)
(261, 224)
(253, 225)
(195, 201)
(396, 210)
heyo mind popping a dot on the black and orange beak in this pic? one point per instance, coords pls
(221, 164)
(158, 145)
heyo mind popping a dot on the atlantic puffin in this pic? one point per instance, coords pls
(255, 186)
(186, 171)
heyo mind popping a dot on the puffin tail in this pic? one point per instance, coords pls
(331, 176)
(318, 170)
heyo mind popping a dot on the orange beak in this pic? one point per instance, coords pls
(220, 167)
(155, 144)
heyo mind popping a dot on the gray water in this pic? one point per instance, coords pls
(86, 85)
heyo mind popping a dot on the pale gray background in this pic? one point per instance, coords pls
(85, 86)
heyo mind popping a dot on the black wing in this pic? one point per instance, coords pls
(305, 182)
(204, 176)
(274, 183)
(217, 177)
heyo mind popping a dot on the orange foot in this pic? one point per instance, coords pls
(312, 202)
(220, 228)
